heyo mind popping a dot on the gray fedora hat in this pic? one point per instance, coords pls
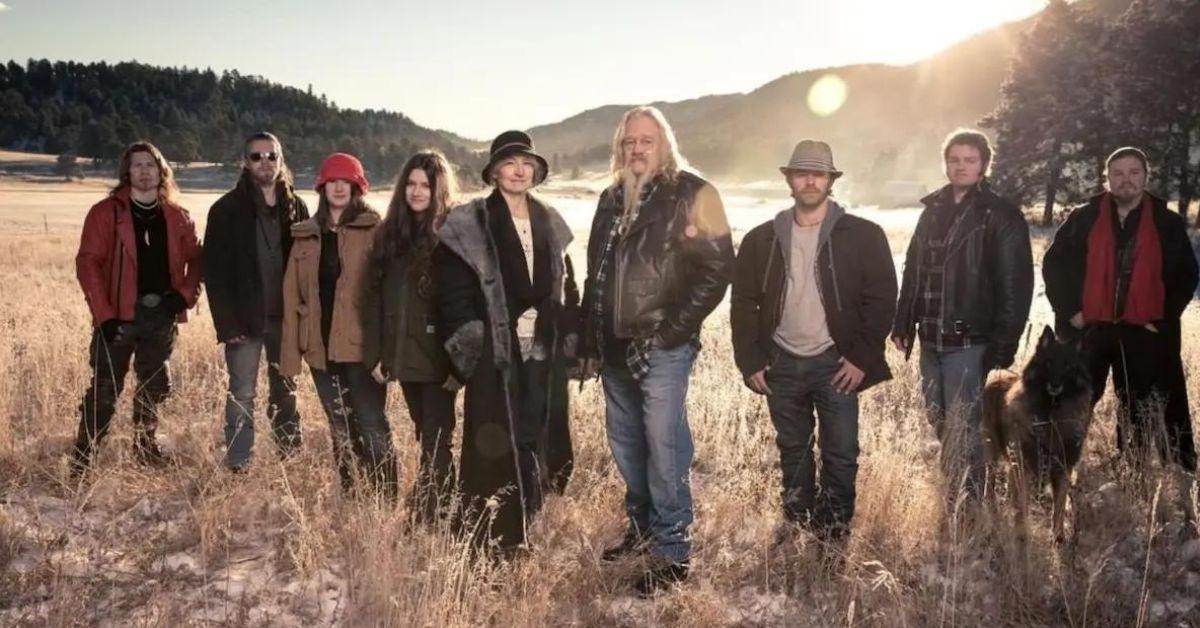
(813, 155)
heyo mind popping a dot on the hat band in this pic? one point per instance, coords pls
(811, 165)
(520, 145)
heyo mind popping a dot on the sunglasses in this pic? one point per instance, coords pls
(257, 157)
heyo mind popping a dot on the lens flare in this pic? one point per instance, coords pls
(827, 95)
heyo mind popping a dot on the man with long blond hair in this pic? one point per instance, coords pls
(139, 268)
(660, 257)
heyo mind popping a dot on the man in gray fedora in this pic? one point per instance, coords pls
(814, 292)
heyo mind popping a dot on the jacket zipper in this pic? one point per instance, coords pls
(837, 293)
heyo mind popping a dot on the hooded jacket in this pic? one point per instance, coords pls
(857, 282)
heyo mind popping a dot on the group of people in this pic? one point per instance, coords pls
(482, 297)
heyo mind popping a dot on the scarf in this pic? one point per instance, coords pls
(1146, 295)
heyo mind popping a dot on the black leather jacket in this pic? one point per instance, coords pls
(989, 275)
(672, 267)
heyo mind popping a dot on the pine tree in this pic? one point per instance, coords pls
(1157, 103)
(1050, 123)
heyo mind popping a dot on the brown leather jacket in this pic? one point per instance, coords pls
(302, 302)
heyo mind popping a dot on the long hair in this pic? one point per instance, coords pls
(404, 230)
(353, 210)
(284, 174)
(167, 188)
(670, 160)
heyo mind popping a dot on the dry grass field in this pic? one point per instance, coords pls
(194, 546)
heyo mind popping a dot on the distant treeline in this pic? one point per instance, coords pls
(1081, 86)
(96, 109)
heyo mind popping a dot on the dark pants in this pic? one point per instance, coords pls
(500, 452)
(557, 451)
(798, 387)
(432, 410)
(148, 341)
(242, 360)
(1151, 390)
(354, 403)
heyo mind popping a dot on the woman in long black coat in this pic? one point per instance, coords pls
(500, 286)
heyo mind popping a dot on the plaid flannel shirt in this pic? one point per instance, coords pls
(637, 355)
(930, 306)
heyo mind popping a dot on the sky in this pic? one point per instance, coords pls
(477, 68)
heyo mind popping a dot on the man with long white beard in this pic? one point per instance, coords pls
(660, 257)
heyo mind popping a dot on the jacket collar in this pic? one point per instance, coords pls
(310, 229)
(983, 188)
(465, 229)
(784, 221)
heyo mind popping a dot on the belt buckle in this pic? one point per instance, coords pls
(960, 328)
(150, 300)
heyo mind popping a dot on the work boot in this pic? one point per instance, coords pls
(631, 544)
(662, 576)
(148, 453)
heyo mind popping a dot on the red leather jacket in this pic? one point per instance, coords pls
(106, 264)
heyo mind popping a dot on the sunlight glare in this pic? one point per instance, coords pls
(827, 95)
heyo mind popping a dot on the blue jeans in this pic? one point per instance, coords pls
(652, 446)
(798, 387)
(952, 382)
(241, 360)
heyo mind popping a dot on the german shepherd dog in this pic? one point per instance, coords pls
(1043, 418)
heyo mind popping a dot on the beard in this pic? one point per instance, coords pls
(632, 185)
(263, 179)
(805, 205)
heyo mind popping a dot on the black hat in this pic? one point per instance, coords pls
(511, 143)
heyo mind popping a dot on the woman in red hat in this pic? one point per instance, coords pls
(322, 320)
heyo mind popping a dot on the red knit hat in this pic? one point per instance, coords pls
(342, 166)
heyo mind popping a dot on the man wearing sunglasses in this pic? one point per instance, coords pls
(247, 241)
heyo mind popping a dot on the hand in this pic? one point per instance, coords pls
(377, 374)
(113, 330)
(589, 368)
(901, 344)
(1077, 320)
(758, 382)
(847, 379)
(236, 340)
(1151, 328)
(451, 384)
(174, 302)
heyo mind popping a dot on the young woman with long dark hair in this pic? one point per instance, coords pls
(400, 341)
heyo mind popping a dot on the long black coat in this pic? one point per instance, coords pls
(473, 317)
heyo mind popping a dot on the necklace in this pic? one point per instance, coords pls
(153, 204)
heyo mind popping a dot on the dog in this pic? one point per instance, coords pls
(1041, 418)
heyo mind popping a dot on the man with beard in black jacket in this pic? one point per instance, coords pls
(247, 242)
(1119, 274)
(813, 299)
(660, 257)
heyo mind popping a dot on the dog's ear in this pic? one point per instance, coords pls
(1048, 339)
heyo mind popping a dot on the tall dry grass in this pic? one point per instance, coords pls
(281, 545)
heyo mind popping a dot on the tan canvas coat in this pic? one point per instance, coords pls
(302, 302)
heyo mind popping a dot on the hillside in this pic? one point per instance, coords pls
(95, 109)
(890, 127)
